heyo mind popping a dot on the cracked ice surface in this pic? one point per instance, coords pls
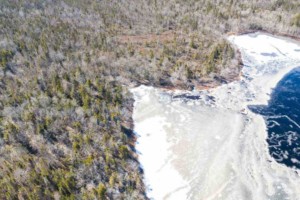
(209, 149)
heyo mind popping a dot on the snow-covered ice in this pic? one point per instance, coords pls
(204, 149)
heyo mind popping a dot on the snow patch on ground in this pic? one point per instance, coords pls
(214, 147)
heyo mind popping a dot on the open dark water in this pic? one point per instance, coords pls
(282, 116)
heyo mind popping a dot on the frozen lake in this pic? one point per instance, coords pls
(282, 115)
(214, 147)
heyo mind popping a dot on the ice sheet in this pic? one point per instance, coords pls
(214, 147)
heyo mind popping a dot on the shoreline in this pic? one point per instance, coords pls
(205, 85)
(210, 84)
(227, 109)
(272, 33)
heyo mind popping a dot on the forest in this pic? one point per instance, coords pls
(66, 68)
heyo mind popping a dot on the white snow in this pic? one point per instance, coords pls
(210, 150)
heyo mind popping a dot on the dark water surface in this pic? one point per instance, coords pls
(282, 116)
